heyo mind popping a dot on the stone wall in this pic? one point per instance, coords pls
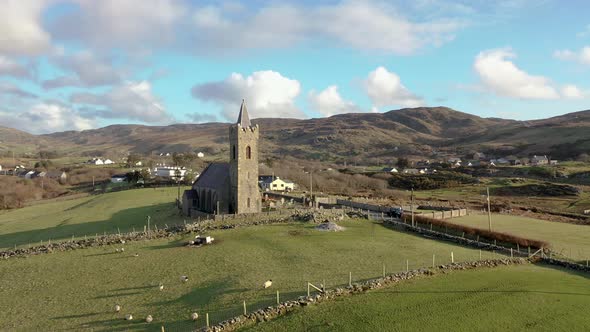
(281, 309)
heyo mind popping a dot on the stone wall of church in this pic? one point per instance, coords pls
(245, 195)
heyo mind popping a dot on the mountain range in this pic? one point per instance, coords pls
(423, 132)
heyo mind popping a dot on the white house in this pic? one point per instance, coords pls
(539, 160)
(96, 161)
(170, 172)
(274, 183)
(200, 155)
(0, 167)
(139, 163)
(108, 162)
(389, 170)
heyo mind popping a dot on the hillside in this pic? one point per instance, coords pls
(419, 132)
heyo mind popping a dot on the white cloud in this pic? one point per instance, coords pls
(84, 69)
(363, 25)
(132, 100)
(504, 78)
(582, 56)
(572, 91)
(7, 88)
(9, 67)
(385, 88)
(329, 102)
(21, 32)
(129, 23)
(46, 118)
(267, 94)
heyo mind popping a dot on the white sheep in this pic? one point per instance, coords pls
(129, 317)
(122, 241)
(117, 308)
(149, 319)
(122, 249)
(161, 287)
(117, 250)
(267, 284)
(194, 316)
(183, 278)
(136, 255)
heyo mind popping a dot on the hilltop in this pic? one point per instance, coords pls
(419, 132)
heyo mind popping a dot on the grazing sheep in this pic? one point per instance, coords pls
(117, 308)
(149, 319)
(183, 278)
(122, 249)
(117, 250)
(161, 287)
(194, 316)
(122, 241)
(136, 255)
(128, 317)
(267, 283)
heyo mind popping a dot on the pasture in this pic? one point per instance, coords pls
(90, 215)
(567, 239)
(77, 290)
(512, 298)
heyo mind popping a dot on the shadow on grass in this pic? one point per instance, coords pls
(123, 221)
(480, 291)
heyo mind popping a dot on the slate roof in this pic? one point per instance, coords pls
(215, 176)
(244, 118)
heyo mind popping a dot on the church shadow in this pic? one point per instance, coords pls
(123, 221)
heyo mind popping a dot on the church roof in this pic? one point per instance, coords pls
(244, 118)
(215, 176)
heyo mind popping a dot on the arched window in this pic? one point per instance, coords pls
(233, 152)
(248, 202)
(248, 152)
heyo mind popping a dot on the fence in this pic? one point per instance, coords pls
(298, 286)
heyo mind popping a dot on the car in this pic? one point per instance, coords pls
(395, 212)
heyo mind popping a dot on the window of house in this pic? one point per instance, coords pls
(234, 152)
(248, 202)
(248, 152)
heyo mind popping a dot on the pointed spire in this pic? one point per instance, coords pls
(244, 118)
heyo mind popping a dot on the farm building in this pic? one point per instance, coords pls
(275, 183)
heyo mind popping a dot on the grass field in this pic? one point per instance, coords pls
(568, 239)
(515, 298)
(76, 290)
(88, 216)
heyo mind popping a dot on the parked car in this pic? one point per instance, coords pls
(395, 212)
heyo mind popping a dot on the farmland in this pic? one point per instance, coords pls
(515, 298)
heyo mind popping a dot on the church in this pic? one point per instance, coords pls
(229, 188)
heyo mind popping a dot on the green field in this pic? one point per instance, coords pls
(568, 239)
(76, 290)
(88, 216)
(514, 298)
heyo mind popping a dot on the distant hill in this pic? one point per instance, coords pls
(419, 132)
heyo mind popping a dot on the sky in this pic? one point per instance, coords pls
(84, 64)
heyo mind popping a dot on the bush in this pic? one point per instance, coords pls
(431, 181)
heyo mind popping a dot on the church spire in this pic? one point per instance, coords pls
(244, 118)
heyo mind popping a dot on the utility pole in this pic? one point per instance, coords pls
(93, 188)
(489, 210)
(412, 206)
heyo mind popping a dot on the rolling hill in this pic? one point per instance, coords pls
(419, 132)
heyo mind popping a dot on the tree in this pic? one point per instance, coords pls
(133, 159)
(403, 163)
(584, 157)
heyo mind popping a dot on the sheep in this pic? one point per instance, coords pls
(122, 249)
(136, 255)
(129, 317)
(161, 287)
(183, 278)
(149, 319)
(117, 250)
(194, 316)
(122, 241)
(117, 308)
(267, 283)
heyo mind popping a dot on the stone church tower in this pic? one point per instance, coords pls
(243, 165)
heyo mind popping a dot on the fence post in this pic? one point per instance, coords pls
(433, 260)
(517, 247)
(511, 253)
(407, 265)
(350, 279)
(479, 254)
(278, 299)
(207, 318)
(529, 250)
(383, 270)
(245, 312)
(452, 257)
(308, 289)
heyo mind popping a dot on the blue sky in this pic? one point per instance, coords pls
(82, 64)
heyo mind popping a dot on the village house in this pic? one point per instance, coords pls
(389, 170)
(171, 172)
(274, 183)
(539, 160)
(118, 178)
